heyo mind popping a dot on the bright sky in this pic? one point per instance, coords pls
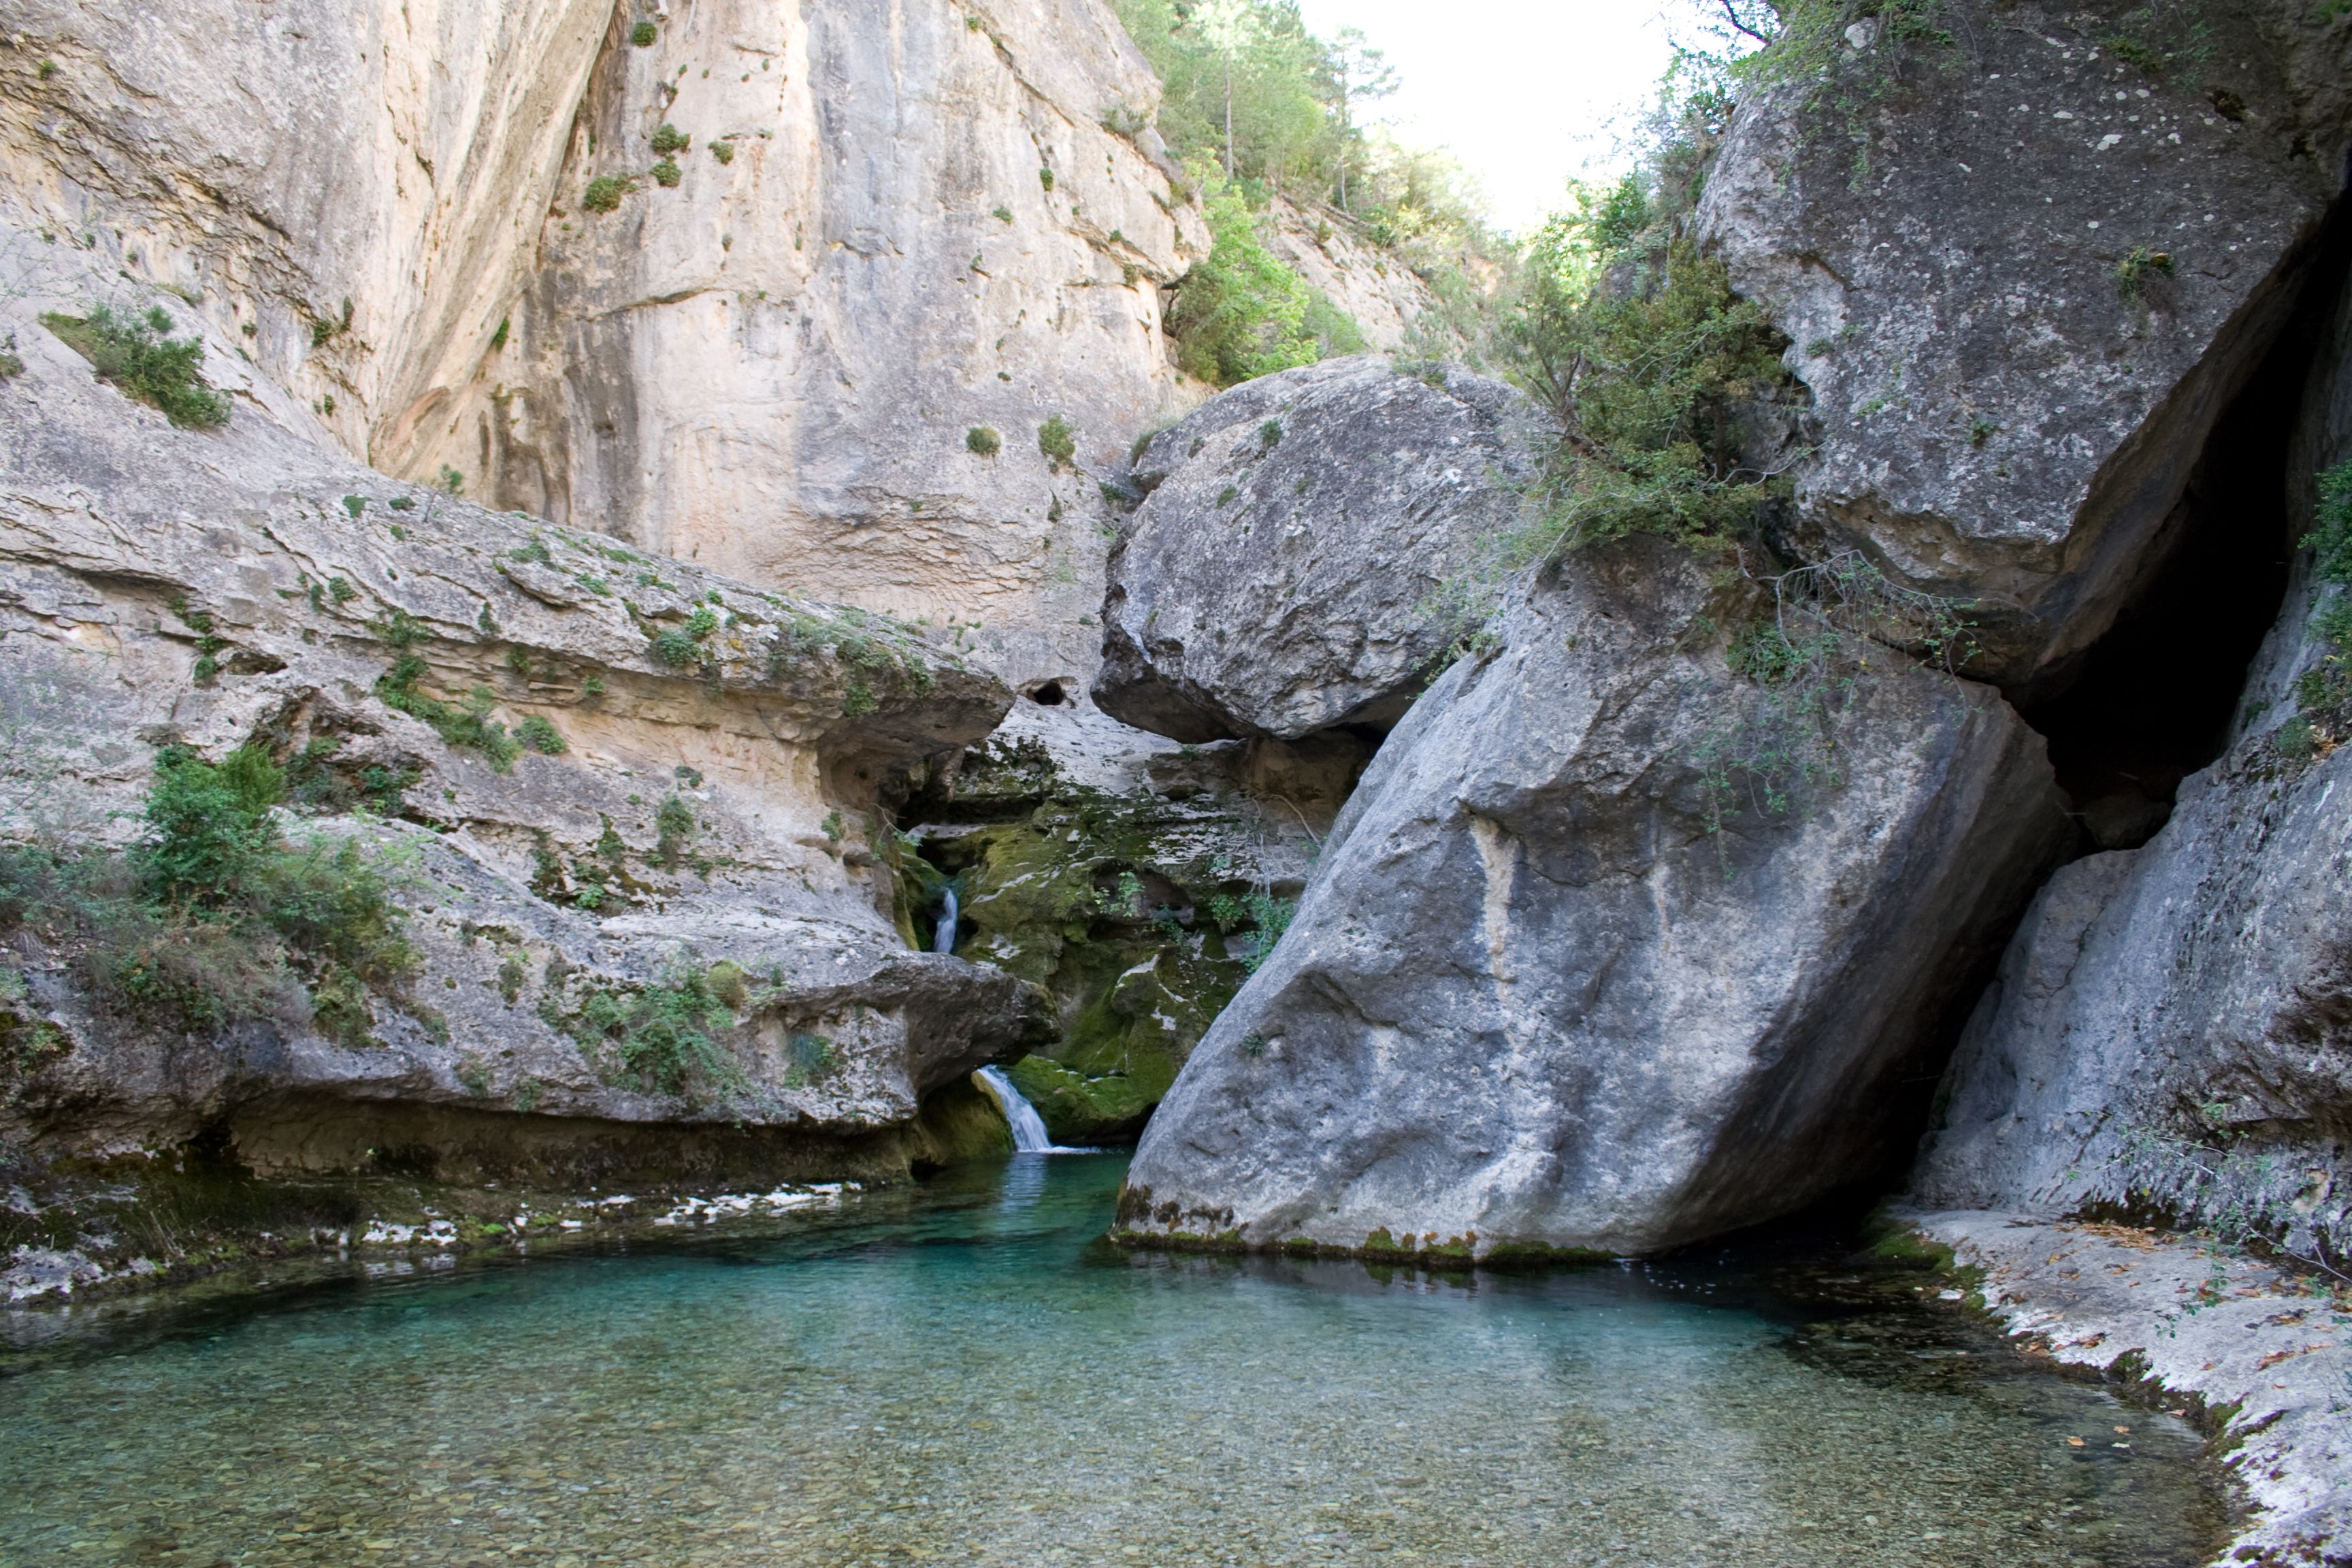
(1523, 92)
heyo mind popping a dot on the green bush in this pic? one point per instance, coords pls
(1241, 312)
(666, 175)
(468, 726)
(673, 826)
(535, 732)
(658, 1039)
(603, 193)
(644, 35)
(211, 919)
(983, 440)
(681, 647)
(1058, 441)
(138, 358)
(668, 139)
(723, 151)
(2323, 692)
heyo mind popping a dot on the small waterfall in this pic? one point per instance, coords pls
(1029, 1134)
(943, 936)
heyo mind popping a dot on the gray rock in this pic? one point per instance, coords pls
(2252, 1350)
(1276, 581)
(1531, 1000)
(2170, 1022)
(133, 554)
(1943, 230)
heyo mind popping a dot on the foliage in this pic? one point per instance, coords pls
(1241, 313)
(723, 151)
(2136, 267)
(983, 440)
(468, 726)
(666, 175)
(644, 35)
(668, 139)
(660, 1037)
(541, 736)
(2323, 692)
(1803, 663)
(1256, 103)
(1057, 438)
(1258, 912)
(1632, 341)
(603, 193)
(674, 830)
(1247, 87)
(211, 919)
(682, 647)
(136, 356)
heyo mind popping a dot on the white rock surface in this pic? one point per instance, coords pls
(769, 368)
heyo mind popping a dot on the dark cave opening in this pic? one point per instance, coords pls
(2153, 699)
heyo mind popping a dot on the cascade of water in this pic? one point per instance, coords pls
(1029, 1134)
(943, 936)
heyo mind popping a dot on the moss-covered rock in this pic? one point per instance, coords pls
(1140, 911)
(958, 1123)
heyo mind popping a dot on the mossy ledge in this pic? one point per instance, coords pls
(1381, 1245)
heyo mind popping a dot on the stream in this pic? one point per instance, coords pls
(964, 1373)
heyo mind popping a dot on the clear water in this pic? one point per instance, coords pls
(960, 1374)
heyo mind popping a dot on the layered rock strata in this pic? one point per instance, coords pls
(697, 788)
(734, 286)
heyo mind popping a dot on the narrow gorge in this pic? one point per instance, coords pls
(856, 726)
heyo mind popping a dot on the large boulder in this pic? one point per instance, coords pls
(2024, 264)
(1532, 1000)
(2173, 1024)
(1277, 579)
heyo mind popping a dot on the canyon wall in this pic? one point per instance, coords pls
(884, 227)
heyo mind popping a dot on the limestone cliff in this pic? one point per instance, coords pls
(840, 238)
(2170, 1024)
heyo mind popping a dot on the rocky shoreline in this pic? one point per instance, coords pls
(2262, 1353)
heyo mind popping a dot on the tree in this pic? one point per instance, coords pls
(1359, 75)
(1229, 27)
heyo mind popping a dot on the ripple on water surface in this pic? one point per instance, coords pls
(957, 1375)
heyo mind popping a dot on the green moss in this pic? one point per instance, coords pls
(959, 1122)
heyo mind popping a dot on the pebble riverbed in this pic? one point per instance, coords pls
(964, 1373)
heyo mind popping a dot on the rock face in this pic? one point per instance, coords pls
(1379, 292)
(1276, 580)
(1530, 1001)
(886, 226)
(699, 791)
(2023, 275)
(2171, 1022)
